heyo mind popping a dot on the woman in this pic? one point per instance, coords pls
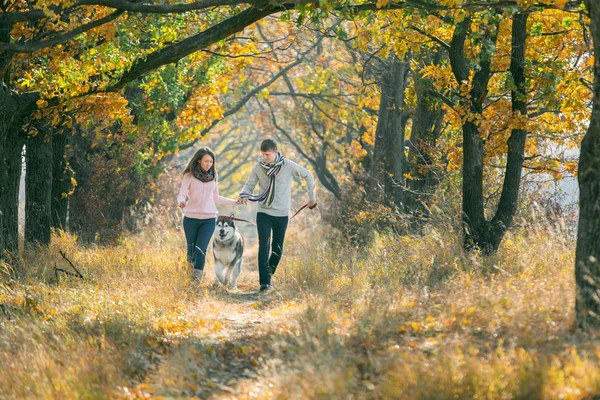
(197, 197)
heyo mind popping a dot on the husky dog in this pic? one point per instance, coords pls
(228, 248)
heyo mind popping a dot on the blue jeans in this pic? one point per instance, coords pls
(269, 254)
(197, 235)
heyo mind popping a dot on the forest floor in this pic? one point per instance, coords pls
(408, 317)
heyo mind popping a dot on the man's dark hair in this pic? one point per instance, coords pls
(268, 144)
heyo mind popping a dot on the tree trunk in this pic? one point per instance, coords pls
(426, 130)
(319, 163)
(474, 223)
(328, 181)
(389, 159)
(61, 182)
(509, 199)
(13, 108)
(7, 234)
(480, 233)
(587, 256)
(79, 218)
(38, 186)
(10, 177)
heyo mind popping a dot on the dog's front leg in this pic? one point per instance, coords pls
(227, 275)
(235, 273)
(219, 278)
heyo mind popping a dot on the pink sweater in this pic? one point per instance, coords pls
(201, 197)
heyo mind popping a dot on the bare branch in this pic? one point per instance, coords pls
(242, 102)
(70, 263)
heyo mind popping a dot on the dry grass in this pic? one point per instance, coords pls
(410, 318)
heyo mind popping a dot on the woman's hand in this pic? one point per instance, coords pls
(181, 205)
(241, 201)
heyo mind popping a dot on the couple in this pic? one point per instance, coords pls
(199, 195)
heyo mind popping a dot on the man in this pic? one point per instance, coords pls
(274, 177)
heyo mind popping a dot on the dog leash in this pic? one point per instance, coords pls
(231, 217)
(302, 208)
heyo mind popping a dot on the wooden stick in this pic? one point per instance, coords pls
(65, 272)
(69, 261)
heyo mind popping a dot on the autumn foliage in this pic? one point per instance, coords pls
(436, 266)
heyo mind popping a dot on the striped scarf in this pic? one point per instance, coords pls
(204, 176)
(271, 169)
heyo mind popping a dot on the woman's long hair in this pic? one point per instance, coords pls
(191, 167)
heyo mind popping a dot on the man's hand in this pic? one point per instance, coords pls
(311, 204)
(181, 205)
(241, 201)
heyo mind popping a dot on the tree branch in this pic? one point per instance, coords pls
(253, 93)
(458, 59)
(432, 37)
(176, 52)
(24, 16)
(34, 15)
(167, 8)
(70, 263)
(30, 48)
(443, 97)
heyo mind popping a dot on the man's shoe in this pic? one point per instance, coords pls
(265, 288)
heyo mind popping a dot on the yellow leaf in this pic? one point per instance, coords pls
(560, 3)
(264, 94)
(382, 3)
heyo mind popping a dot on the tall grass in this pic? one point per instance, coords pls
(407, 318)
(415, 317)
(84, 338)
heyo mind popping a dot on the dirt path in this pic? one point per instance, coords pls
(223, 358)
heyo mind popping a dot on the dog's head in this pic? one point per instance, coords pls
(225, 229)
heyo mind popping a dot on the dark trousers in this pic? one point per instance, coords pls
(269, 254)
(197, 235)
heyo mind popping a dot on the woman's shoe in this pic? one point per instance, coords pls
(197, 275)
